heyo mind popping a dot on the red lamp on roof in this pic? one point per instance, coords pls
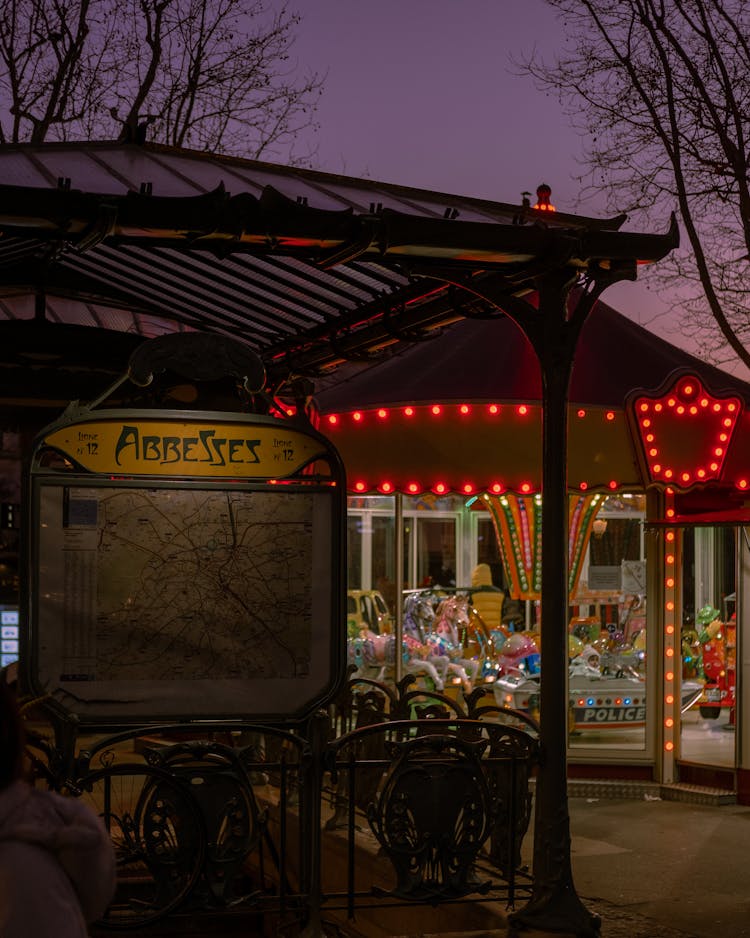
(543, 195)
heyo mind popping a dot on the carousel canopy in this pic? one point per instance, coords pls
(491, 360)
(462, 414)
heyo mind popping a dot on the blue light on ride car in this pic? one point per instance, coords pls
(590, 702)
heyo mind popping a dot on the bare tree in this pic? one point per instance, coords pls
(661, 91)
(206, 74)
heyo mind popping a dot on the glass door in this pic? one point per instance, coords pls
(709, 646)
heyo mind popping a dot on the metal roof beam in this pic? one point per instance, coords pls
(168, 303)
(414, 320)
(276, 224)
(265, 287)
(184, 268)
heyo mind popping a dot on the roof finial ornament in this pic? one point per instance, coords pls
(543, 194)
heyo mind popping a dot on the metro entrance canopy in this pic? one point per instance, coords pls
(313, 271)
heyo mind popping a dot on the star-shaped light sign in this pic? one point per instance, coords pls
(684, 432)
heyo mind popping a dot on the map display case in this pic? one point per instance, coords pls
(184, 566)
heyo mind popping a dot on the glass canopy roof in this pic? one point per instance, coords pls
(311, 270)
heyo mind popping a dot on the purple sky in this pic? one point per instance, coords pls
(423, 93)
(420, 92)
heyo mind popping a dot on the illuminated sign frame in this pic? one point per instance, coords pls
(682, 432)
(158, 462)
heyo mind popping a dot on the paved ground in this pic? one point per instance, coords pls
(662, 869)
(649, 868)
(654, 869)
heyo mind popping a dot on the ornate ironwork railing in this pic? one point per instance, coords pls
(394, 797)
(447, 801)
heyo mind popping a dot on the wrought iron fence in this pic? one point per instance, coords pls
(394, 797)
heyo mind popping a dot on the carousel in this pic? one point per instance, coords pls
(646, 421)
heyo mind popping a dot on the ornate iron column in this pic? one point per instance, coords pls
(555, 904)
(554, 328)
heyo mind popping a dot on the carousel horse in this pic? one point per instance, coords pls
(419, 620)
(419, 616)
(417, 661)
(373, 656)
(451, 623)
(482, 643)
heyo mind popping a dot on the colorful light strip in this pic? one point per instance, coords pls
(671, 656)
(517, 520)
(441, 487)
(438, 409)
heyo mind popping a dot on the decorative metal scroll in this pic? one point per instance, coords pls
(433, 815)
(360, 703)
(229, 810)
(508, 769)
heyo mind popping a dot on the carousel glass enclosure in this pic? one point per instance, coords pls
(444, 541)
(610, 692)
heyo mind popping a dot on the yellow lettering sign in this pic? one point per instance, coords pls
(172, 448)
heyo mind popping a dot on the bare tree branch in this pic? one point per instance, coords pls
(207, 74)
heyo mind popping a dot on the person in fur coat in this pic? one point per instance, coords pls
(57, 863)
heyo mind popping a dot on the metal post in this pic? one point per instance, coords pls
(398, 612)
(554, 905)
(553, 328)
(313, 780)
(742, 743)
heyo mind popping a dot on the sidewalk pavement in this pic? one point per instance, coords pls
(649, 868)
(662, 869)
(657, 869)
(652, 868)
